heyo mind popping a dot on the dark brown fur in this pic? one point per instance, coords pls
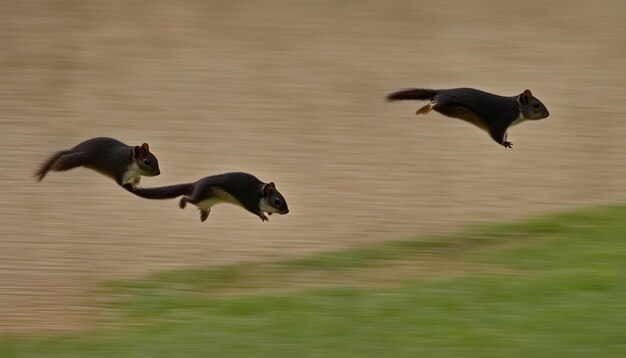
(244, 188)
(490, 112)
(107, 156)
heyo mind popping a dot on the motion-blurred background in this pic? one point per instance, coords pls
(293, 92)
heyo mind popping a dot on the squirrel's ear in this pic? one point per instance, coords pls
(273, 185)
(147, 147)
(137, 151)
(267, 189)
(525, 97)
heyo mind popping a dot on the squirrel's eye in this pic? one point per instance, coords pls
(147, 162)
(277, 201)
(535, 105)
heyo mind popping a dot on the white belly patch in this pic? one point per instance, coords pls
(217, 196)
(132, 175)
(519, 120)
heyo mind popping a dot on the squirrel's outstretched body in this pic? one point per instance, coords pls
(241, 189)
(490, 112)
(123, 163)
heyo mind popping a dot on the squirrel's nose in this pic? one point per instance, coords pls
(157, 172)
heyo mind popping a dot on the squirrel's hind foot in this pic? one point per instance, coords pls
(426, 108)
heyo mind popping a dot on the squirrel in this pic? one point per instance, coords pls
(241, 189)
(489, 112)
(125, 164)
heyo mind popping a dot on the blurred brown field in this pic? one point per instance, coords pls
(293, 92)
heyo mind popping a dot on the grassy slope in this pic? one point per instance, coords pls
(553, 286)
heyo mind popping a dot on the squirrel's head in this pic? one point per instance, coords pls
(531, 107)
(272, 201)
(146, 162)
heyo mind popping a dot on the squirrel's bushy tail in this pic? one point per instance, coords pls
(48, 164)
(412, 94)
(163, 192)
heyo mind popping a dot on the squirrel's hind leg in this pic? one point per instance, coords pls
(204, 214)
(425, 109)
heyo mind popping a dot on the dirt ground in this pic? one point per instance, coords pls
(293, 92)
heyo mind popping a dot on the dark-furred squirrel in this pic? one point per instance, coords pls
(489, 112)
(124, 163)
(241, 189)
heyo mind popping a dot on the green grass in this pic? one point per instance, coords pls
(554, 286)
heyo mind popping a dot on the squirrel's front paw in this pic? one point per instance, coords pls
(264, 218)
(507, 144)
